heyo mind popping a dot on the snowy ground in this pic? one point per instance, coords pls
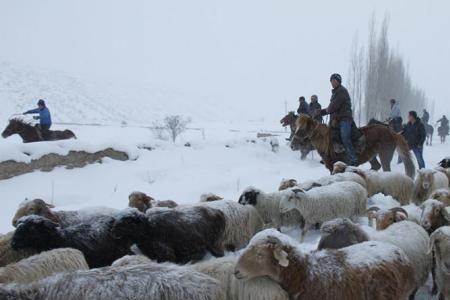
(221, 161)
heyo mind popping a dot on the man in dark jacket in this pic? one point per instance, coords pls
(45, 119)
(415, 134)
(315, 106)
(341, 115)
(303, 107)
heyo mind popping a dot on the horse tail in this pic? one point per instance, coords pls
(405, 155)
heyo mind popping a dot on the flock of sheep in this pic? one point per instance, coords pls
(162, 250)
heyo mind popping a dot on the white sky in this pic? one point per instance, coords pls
(257, 51)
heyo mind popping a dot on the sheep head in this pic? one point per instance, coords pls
(140, 200)
(385, 218)
(291, 200)
(340, 233)
(210, 197)
(266, 255)
(434, 215)
(425, 178)
(37, 233)
(440, 245)
(442, 195)
(249, 196)
(339, 167)
(34, 207)
(286, 184)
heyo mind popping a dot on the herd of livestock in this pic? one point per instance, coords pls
(220, 249)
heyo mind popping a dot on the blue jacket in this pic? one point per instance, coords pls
(44, 115)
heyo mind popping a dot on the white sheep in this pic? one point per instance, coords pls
(137, 282)
(339, 200)
(268, 207)
(8, 255)
(395, 184)
(131, 260)
(427, 181)
(440, 246)
(330, 179)
(414, 241)
(43, 265)
(209, 197)
(222, 269)
(241, 222)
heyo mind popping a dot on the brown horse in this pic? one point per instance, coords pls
(305, 146)
(379, 140)
(29, 133)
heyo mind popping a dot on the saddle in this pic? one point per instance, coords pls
(358, 139)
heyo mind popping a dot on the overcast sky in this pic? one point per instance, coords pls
(257, 51)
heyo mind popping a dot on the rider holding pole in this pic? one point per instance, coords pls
(45, 119)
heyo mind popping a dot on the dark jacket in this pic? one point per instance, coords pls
(303, 108)
(340, 107)
(313, 108)
(415, 134)
(44, 115)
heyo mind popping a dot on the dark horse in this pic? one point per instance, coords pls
(305, 146)
(430, 131)
(379, 140)
(29, 133)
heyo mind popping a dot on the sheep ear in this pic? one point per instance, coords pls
(281, 256)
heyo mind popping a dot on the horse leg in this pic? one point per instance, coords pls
(386, 158)
(374, 164)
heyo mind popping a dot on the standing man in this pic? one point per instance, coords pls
(303, 107)
(395, 118)
(315, 106)
(415, 134)
(425, 117)
(341, 116)
(45, 119)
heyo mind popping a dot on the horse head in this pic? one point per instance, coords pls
(15, 125)
(304, 128)
(288, 119)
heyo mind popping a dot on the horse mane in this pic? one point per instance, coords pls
(321, 134)
(21, 121)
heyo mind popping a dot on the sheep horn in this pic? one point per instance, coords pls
(395, 210)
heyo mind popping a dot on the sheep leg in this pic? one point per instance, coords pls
(434, 290)
(304, 231)
(374, 164)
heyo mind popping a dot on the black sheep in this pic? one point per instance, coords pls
(94, 239)
(177, 235)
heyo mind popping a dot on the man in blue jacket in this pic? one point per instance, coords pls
(45, 119)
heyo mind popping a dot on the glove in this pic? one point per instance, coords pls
(36, 117)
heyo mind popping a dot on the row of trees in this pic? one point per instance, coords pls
(377, 74)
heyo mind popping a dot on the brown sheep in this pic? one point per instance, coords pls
(442, 195)
(287, 184)
(434, 215)
(367, 271)
(143, 202)
(210, 197)
(385, 218)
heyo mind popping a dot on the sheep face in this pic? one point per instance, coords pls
(249, 197)
(339, 167)
(34, 207)
(434, 215)
(440, 244)
(292, 200)
(286, 184)
(37, 233)
(140, 201)
(265, 258)
(128, 225)
(426, 178)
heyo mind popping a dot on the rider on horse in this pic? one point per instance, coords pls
(314, 106)
(444, 128)
(395, 118)
(341, 116)
(425, 117)
(303, 107)
(45, 119)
